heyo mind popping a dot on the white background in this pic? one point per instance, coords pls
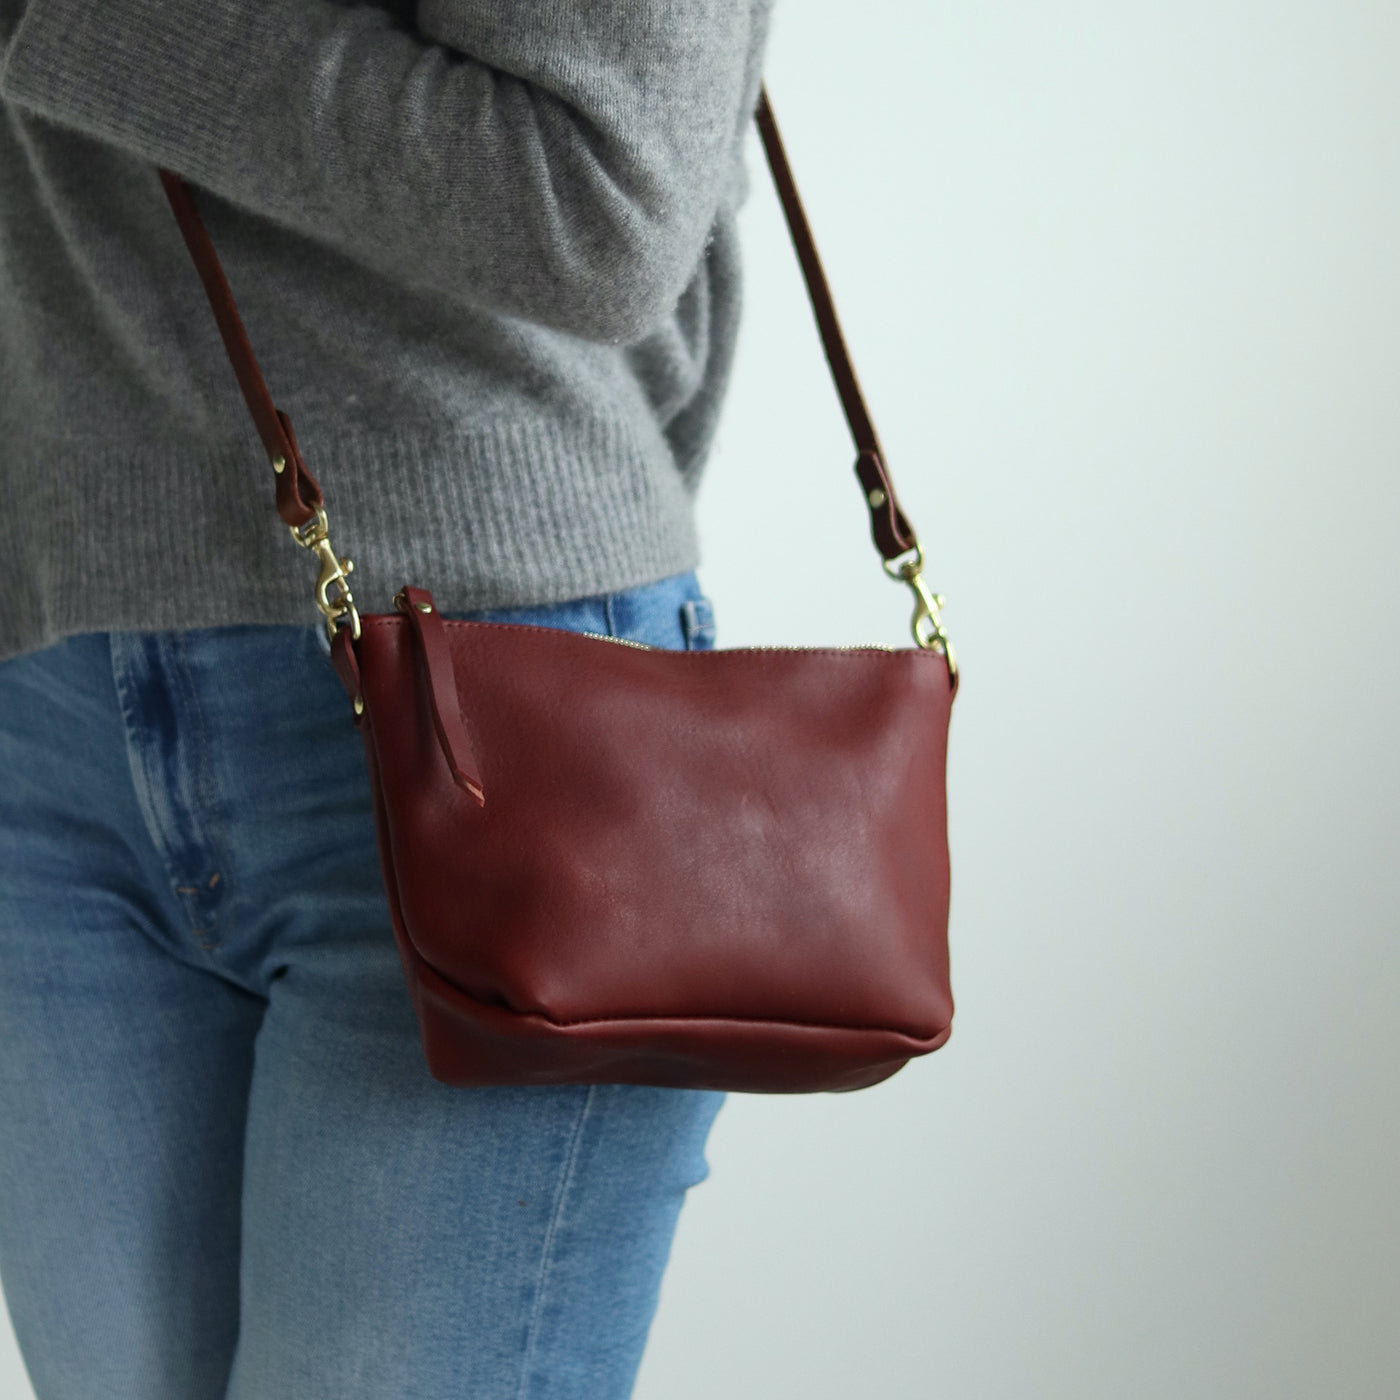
(1121, 284)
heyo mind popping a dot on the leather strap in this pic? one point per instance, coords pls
(298, 495)
(888, 524)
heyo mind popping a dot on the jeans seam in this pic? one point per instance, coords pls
(141, 783)
(566, 1176)
(210, 818)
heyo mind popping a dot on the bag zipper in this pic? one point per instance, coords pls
(644, 646)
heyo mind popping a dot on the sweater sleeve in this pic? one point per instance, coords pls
(556, 160)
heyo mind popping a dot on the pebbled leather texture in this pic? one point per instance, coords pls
(713, 869)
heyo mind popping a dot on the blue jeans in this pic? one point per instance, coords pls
(224, 1168)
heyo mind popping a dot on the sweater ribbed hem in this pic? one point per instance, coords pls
(508, 516)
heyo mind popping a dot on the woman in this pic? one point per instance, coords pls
(486, 256)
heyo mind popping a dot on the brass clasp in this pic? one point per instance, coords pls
(315, 536)
(927, 624)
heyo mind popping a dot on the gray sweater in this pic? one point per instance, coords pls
(485, 252)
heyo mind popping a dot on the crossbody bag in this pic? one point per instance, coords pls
(611, 863)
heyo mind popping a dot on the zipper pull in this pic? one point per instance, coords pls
(417, 604)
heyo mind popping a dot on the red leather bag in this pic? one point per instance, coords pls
(609, 863)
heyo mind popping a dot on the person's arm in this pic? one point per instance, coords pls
(556, 160)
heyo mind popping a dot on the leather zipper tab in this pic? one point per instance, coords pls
(417, 604)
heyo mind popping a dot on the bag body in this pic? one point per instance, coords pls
(713, 869)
